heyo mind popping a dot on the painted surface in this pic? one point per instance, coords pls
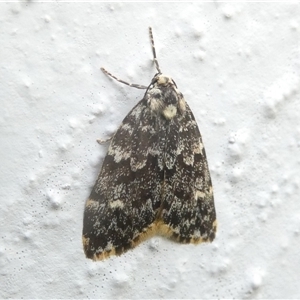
(238, 66)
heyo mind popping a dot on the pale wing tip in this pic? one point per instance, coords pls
(159, 228)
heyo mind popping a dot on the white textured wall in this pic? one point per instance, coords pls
(238, 66)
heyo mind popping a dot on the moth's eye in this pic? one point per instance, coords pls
(153, 81)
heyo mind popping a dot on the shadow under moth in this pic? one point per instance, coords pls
(154, 178)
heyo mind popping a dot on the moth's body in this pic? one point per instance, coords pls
(164, 98)
(154, 179)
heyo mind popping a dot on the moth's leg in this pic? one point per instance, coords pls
(101, 142)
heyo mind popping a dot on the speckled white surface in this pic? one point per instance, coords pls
(238, 66)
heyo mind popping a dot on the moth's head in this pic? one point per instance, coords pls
(163, 97)
(163, 80)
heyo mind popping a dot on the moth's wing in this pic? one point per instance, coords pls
(188, 213)
(124, 202)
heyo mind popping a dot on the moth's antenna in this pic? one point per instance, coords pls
(138, 86)
(153, 51)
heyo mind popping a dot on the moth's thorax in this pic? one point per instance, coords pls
(164, 98)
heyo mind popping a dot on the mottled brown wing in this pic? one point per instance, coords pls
(126, 197)
(188, 210)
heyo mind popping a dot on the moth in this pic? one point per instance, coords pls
(154, 178)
